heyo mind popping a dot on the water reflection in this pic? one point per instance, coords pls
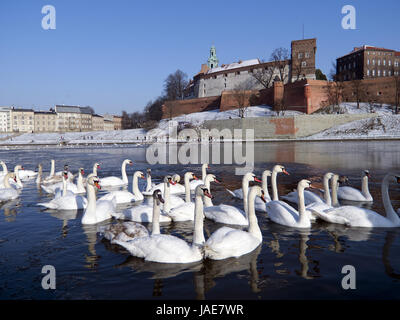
(91, 257)
(389, 239)
(10, 209)
(64, 216)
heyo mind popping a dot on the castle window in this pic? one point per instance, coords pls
(373, 73)
(373, 61)
(303, 64)
(307, 54)
(379, 73)
(300, 55)
(368, 73)
(225, 74)
(379, 62)
(384, 73)
(368, 61)
(237, 72)
(384, 62)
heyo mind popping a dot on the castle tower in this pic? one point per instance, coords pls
(212, 61)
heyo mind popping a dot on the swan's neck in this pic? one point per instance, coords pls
(5, 169)
(334, 187)
(53, 168)
(64, 192)
(148, 185)
(16, 171)
(80, 181)
(91, 204)
(364, 187)
(302, 206)
(274, 187)
(198, 233)
(265, 185)
(95, 170)
(254, 228)
(6, 181)
(245, 189)
(167, 205)
(135, 186)
(156, 218)
(327, 195)
(204, 172)
(39, 176)
(390, 213)
(187, 189)
(123, 170)
(207, 201)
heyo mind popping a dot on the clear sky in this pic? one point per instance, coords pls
(115, 55)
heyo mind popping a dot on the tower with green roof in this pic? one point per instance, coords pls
(212, 61)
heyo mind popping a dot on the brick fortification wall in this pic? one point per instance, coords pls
(305, 95)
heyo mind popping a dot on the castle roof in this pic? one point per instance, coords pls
(234, 65)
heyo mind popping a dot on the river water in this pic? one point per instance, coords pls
(290, 263)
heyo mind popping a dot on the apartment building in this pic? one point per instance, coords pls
(22, 120)
(45, 121)
(5, 119)
(117, 122)
(97, 122)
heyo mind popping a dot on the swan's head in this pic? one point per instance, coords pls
(148, 171)
(205, 166)
(127, 161)
(250, 176)
(191, 175)
(66, 167)
(201, 190)
(328, 175)
(157, 196)
(169, 180)
(139, 174)
(279, 168)
(366, 174)
(12, 175)
(18, 167)
(97, 165)
(214, 179)
(303, 184)
(65, 174)
(343, 180)
(176, 178)
(94, 181)
(267, 173)
(259, 192)
(81, 171)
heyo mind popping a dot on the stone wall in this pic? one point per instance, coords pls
(289, 127)
(179, 107)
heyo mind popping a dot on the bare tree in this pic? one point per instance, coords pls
(297, 69)
(265, 75)
(279, 58)
(334, 92)
(358, 92)
(241, 95)
(175, 84)
(280, 106)
(332, 73)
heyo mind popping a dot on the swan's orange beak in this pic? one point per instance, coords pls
(285, 172)
(173, 183)
(98, 166)
(96, 183)
(207, 194)
(195, 178)
(22, 168)
(142, 176)
(312, 186)
(83, 171)
(216, 180)
(257, 180)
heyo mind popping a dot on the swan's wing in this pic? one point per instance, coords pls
(183, 212)
(226, 214)
(282, 213)
(121, 196)
(111, 181)
(238, 193)
(349, 193)
(8, 194)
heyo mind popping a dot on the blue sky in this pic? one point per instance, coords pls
(115, 55)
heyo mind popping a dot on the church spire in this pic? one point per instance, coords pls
(212, 61)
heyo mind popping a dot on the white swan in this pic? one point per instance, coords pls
(123, 231)
(227, 242)
(57, 188)
(123, 196)
(100, 210)
(349, 193)
(149, 183)
(96, 166)
(185, 211)
(40, 173)
(287, 215)
(5, 169)
(27, 174)
(175, 188)
(144, 211)
(311, 197)
(8, 193)
(165, 248)
(359, 217)
(66, 200)
(259, 204)
(238, 193)
(227, 214)
(113, 181)
(15, 183)
(195, 183)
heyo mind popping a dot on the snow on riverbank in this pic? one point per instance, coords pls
(383, 126)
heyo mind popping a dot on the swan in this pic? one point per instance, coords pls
(175, 188)
(195, 183)
(238, 193)
(228, 242)
(287, 215)
(66, 200)
(165, 248)
(144, 212)
(259, 204)
(149, 184)
(57, 188)
(5, 169)
(360, 217)
(185, 211)
(311, 197)
(40, 173)
(15, 183)
(100, 210)
(54, 177)
(96, 166)
(124, 231)
(123, 196)
(349, 193)
(27, 174)
(8, 193)
(227, 214)
(115, 181)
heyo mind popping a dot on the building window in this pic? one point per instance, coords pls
(379, 62)
(373, 73)
(379, 73)
(389, 63)
(390, 73)
(396, 63)
(373, 61)
(300, 55)
(384, 73)
(237, 73)
(354, 64)
(368, 61)
(384, 62)
(307, 54)
(303, 64)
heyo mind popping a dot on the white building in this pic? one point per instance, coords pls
(5, 119)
